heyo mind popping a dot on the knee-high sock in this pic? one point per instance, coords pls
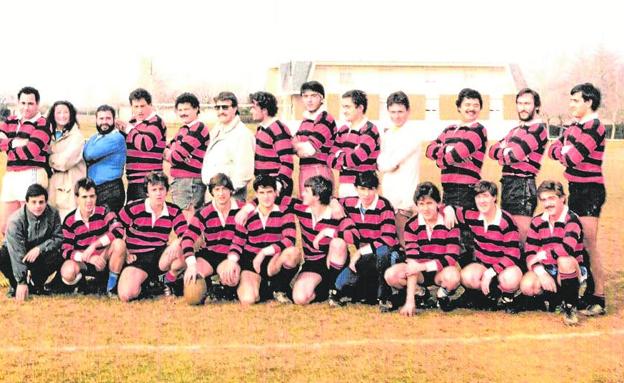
(281, 281)
(569, 288)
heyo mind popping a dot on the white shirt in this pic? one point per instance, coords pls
(230, 151)
(399, 163)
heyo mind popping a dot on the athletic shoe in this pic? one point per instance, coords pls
(386, 306)
(281, 297)
(569, 315)
(168, 290)
(593, 310)
(335, 298)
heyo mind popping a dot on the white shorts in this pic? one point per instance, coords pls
(15, 183)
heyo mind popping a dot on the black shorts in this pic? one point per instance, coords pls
(459, 195)
(111, 194)
(319, 267)
(586, 200)
(148, 262)
(212, 258)
(246, 263)
(518, 195)
(429, 278)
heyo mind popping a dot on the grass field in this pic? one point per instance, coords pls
(81, 338)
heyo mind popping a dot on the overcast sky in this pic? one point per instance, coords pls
(89, 51)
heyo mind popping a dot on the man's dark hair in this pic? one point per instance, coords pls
(313, 86)
(536, 97)
(72, 116)
(265, 181)
(486, 186)
(468, 93)
(220, 179)
(367, 179)
(84, 183)
(228, 96)
(105, 108)
(589, 92)
(427, 189)
(551, 186)
(29, 90)
(36, 190)
(399, 98)
(358, 97)
(266, 101)
(156, 178)
(139, 94)
(321, 187)
(187, 98)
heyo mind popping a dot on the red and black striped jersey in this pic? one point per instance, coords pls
(563, 238)
(376, 224)
(78, 235)
(521, 151)
(320, 133)
(145, 145)
(188, 148)
(276, 230)
(274, 151)
(35, 135)
(496, 244)
(144, 231)
(437, 243)
(581, 149)
(458, 152)
(354, 151)
(218, 231)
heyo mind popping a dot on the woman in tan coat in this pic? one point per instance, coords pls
(65, 160)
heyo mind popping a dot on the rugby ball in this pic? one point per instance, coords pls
(195, 292)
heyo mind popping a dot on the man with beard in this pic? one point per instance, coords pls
(520, 153)
(105, 154)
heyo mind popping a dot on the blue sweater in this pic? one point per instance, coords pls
(105, 156)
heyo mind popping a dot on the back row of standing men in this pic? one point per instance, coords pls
(197, 154)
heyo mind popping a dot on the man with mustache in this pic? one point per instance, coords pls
(186, 153)
(520, 153)
(105, 154)
(231, 148)
(554, 250)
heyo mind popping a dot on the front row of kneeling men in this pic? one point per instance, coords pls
(349, 247)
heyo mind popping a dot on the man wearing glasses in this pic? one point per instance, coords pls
(231, 147)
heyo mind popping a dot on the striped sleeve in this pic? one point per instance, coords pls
(284, 148)
(572, 238)
(532, 244)
(179, 222)
(348, 231)
(434, 149)
(192, 234)
(240, 238)
(554, 151)
(69, 238)
(511, 241)
(147, 138)
(388, 229)
(589, 138)
(469, 143)
(412, 246)
(38, 141)
(367, 144)
(289, 233)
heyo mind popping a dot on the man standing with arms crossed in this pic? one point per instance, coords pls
(520, 153)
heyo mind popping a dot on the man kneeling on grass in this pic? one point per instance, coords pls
(493, 278)
(31, 249)
(148, 224)
(431, 250)
(264, 247)
(214, 222)
(554, 251)
(89, 242)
